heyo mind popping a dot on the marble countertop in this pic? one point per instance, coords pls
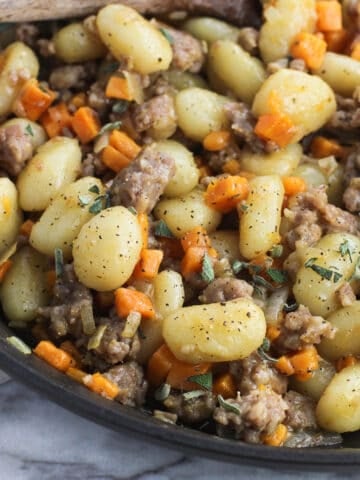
(41, 441)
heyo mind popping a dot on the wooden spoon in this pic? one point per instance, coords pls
(240, 12)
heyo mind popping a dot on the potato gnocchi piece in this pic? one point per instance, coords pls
(186, 212)
(341, 72)
(33, 130)
(314, 386)
(305, 99)
(63, 218)
(56, 164)
(217, 332)
(324, 270)
(10, 214)
(226, 243)
(25, 288)
(282, 162)
(107, 249)
(338, 409)
(211, 29)
(129, 36)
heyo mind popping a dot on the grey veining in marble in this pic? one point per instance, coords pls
(41, 441)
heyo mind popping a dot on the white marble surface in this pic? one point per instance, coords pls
(41, 441)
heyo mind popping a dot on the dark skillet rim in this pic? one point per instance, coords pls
(64, 391)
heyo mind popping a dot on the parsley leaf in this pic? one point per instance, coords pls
(29, 130)
(59, 262)
(162, 392)
(279, 276)
(94, 189)
(108, 127)
(205, 380)
(324, 273)
(207, 271)
(162, 230)
(167, 35)
(345, 249)
(229, 407)
(193, 394)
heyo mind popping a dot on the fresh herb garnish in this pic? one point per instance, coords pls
(120, 106)
(108, 127)
(345, 249)
(59, 262)
(237, 266)
(162, 392)
(244, 207)
(132, 210)
(324, 273)
(262, 351)
(207, 270)
(83, 200)
(278, 276)
(94, 189)
(205, 380)
(100, 202)
(258, 280)
(194, 394)
(167, 35)
(162, 230)
(29, 130)
(229, 407)
(276, 251)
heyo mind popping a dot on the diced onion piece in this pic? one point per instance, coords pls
(19, 344)
(96, 338)
(131, 325)
(87, 319)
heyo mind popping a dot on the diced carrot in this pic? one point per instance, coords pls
(128, 300)
(324, 147)
(55, 119)
(216, 141)
(355, 51)
(196, 237)
(70, 348)
(305, 363)
(192, 260)
(33, 100)
(181, 371)
(50, 280)
(284, 365)
(26, 227)
(85, 124)
(277, 127)
(347, 361)
(101, 385)
(124, 144)
(272, 332)
(277, 438)
(54, 356)
(76, 374)
(143, 220)
(337, 40)
(159, 365)
(4, 268)
(232, 167)
(79, 100)
(293, 185)
(118, 87)
(310, 48)
(224, 385)
(148, 266)
(329, 16)
(225, 193)
(114, 159)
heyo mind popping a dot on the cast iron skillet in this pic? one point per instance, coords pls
(67, 393)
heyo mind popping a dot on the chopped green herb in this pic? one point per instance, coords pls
(167, 35)
(107, 200)
(345, 249)
(324, 273)
(244, 207)
(19, 345)
(258, 280)
(120, 107)
(97, 206)
(109, 126)
(207, 271)
(59, 262)
(279, 276)
(29, 130)
(162, 230)
(276, 251)
(83, 200)
(229, 407)
(94, 189)
(262, 351)
(205, 380)
(194, 394)
(266, 344)
(132, 210)
(162, 392)
(95, 339)
(237, 266)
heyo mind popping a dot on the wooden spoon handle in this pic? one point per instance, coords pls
(241, 12)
